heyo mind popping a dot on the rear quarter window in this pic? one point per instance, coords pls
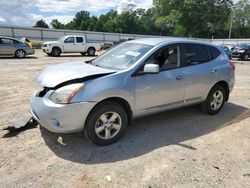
(214, 52)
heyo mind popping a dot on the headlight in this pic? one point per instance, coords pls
(242, 51)
(64, 94)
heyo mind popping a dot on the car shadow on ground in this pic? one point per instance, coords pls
(72, 55)
(28, 57)
(146, 134)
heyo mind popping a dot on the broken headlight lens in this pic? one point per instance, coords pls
(64, 94)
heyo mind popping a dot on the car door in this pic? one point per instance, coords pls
(6, 47)
(163, 90)
(70, 45)
(80, 44)
(200, 71)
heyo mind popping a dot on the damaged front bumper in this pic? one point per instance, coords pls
(59, 118)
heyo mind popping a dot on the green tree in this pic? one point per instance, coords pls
(41, 23)
(56, 24)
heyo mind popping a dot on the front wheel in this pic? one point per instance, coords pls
(106, 123)
(56, 52)
(215, 100)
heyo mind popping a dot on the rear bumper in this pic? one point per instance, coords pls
(30, 51)
(60, 118)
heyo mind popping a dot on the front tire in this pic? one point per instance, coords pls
(56, 52)
(106, 123)
(215, 100)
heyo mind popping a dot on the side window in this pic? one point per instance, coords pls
(167, 57)
(16, 42)
(69, 40)
(215, 52)
(5, 41)
(196, 54)
(79, 39)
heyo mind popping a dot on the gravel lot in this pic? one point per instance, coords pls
(181, 148)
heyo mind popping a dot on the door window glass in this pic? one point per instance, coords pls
(167, 57)
(196, 54)
(79, 39)
(70, 40)
(5, 41)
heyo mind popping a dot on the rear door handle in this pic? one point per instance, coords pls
(179, 77)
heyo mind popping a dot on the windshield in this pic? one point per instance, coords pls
(241, 46)
(122, 57)
(61, 39)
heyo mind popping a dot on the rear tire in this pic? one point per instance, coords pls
(106, 123)
(91, 51)
(215, 100)
(56, 52)
(20, 54)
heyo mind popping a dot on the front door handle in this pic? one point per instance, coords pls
(179, 77)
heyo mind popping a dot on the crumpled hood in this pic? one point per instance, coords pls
(57, 74)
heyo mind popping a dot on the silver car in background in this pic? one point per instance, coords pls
(136, 78)
(14, 47)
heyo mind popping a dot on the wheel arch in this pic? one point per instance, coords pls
(225, 85)
(57, 47)
(119, 101)
(91, 47)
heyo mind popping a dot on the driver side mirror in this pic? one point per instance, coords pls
(151, 68)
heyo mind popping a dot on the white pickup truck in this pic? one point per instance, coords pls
(71, 44)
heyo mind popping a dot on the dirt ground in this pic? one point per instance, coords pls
(180, 148)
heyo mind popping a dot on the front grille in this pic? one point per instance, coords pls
(43, 92)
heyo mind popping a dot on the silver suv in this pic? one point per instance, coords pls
(136, 78)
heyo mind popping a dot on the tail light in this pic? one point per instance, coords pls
(232, 63)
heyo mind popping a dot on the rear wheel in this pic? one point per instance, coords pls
(56, 52)
(91, 51)
(106, 123)
(20, 54)
(215, 100)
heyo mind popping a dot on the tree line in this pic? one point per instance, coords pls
(181, 18)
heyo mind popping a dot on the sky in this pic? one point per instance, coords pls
(27, 12)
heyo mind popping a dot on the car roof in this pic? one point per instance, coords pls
(165, 40)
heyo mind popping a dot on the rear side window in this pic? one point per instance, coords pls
(79, 39)
(16, 42)
(214, 52)
(196, 54)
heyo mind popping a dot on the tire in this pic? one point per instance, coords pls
(245, 57)
(91, 51)
(97, 127)
(213, 105)
(20, 54)
(83, 53)
(56, 52)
